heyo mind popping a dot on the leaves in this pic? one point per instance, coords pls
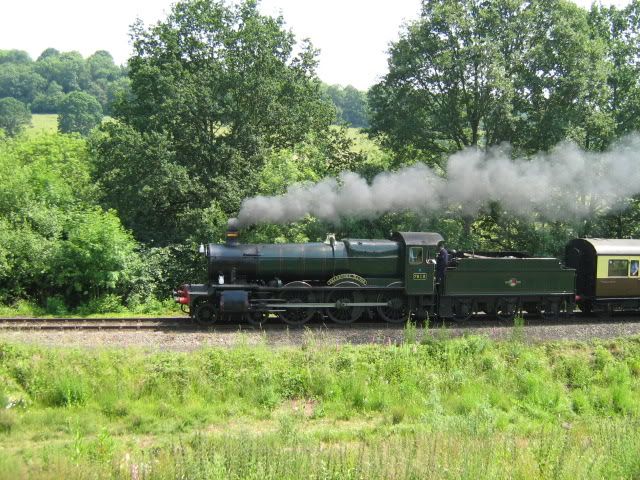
(79, 112)
(53, 238)
(14, 116)
(214, 88)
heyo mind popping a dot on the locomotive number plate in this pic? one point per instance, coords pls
(419, 276)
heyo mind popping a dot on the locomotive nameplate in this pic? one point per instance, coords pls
(347, 276)
(419, 276)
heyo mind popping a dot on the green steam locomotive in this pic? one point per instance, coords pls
(392, 280)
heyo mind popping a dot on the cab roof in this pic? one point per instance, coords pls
(429, 239)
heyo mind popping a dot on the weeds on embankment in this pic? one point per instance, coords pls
(450, 408)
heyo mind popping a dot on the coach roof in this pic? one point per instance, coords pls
(611, 246)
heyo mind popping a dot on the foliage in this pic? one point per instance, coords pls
(406, 411)
(530, 73)
(350, 103)
(43, 83)
(54, 240)
(467, 74)
(79, 112)
(155, 196)
(14, 116)
(50, 100)
(213, 89)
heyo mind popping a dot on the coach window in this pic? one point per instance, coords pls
(635, 266)
(415, 255)
(618, 268)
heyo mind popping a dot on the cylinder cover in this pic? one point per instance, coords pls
(233, 301)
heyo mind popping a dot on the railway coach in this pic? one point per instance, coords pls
(607, 275)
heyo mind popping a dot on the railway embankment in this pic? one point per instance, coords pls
(430, 407)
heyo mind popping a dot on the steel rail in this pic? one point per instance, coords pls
(186, 323)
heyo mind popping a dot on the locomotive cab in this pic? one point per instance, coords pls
(419, 252)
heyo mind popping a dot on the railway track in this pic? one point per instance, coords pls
(186, 324)
(159, 323)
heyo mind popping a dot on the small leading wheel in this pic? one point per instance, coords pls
(297, 316)
(506, 309)
(256, 319)
(463, 309)
(343, 313)
(396, 309)
(204, 313)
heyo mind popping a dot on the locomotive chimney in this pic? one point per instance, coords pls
(232, 232)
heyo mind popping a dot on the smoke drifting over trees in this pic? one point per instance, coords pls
(564, 184)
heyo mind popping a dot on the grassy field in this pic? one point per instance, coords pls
(46, 123)
(446, 408)
(43, 123)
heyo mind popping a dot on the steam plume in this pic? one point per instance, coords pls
(564, 184)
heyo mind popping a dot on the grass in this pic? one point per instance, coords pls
(451, 408)
(43, 123)
(103, 307)
(46, 123)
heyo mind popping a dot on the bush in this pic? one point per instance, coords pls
(14, 116)
(79, 113)
(56, 306)
(105, 304)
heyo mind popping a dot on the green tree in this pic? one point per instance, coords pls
(54, 240)
(20, 82)
(79, 112)
(15, 56)
(67, 69)
(102, 66)
(619, 30)
(351, 105)
(477, 73)
(140, 178)
(14, 116)
(49, 101)
(95, 257)
(219, 85)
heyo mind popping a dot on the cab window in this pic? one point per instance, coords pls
(415, 255)
(618, 268)
(635, 266)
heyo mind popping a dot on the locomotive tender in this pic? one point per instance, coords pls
(389, 279)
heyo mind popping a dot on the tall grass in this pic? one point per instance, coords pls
(445, 408)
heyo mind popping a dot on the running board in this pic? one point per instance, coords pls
(325, 305)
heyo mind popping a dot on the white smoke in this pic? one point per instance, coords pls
(564, 184)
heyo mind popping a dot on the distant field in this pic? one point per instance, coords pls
(46, 123)
(43, 123)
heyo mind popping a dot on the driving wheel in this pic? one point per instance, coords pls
(297, 316)
(342, 297)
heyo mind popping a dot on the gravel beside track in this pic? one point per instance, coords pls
(181, 335)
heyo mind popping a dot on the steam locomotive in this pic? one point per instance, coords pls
(394, 280)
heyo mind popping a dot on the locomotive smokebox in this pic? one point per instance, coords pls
(232, 232)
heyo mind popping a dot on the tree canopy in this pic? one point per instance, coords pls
(351, 105)
(54, 239)
(471, 72)
(214, 86)
(79, 112)
(14, 116)
(41, 84)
